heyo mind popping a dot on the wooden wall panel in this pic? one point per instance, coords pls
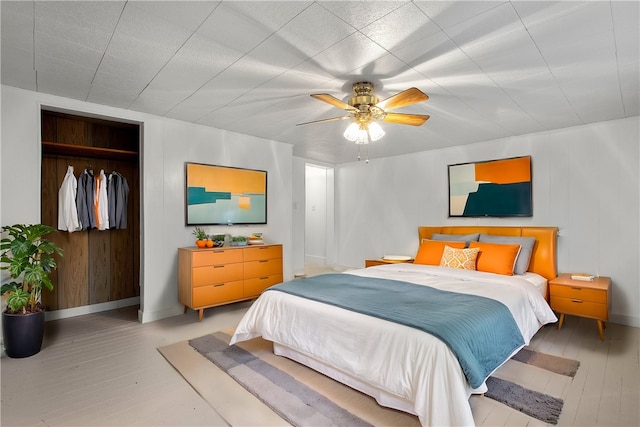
(125, 255)
(48, 127)
(49, 217)
(71, 131)
(73, 270)
(99, 266)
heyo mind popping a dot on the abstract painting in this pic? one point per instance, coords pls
(494, 188)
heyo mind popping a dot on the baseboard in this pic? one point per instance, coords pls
(92, 308)
(315, 259)
(625, 320)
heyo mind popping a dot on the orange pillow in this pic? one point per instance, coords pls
(430, 251)
(496, 257)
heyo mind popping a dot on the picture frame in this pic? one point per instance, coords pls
(492, 188)
(224, 195)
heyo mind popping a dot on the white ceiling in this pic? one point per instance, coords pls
(492, 69)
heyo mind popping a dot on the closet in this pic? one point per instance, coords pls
(97, 266)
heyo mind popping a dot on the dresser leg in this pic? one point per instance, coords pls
(601, 327)
(200, 313)
(185, 309)
(561, 321)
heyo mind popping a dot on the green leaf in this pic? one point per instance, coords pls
(18, 299)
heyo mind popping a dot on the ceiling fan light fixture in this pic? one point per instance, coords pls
(375, 131)
(363, 136)
(351, 132)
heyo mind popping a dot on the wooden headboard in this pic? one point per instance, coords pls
(543, 259)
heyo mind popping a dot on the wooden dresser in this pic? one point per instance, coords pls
(216, 276)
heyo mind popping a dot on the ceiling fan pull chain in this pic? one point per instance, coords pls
(366, 154)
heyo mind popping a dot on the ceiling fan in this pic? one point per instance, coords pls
(365, 109)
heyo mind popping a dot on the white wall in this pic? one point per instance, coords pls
(166, 145)
(585, 181)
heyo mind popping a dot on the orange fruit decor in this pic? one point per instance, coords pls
(209, 243)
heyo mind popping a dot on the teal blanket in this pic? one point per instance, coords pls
(480, 331)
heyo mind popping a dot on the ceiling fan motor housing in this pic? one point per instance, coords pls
(363, 98)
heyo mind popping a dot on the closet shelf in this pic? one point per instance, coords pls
(55, 148)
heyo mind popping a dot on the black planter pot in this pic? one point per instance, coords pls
(22, 333)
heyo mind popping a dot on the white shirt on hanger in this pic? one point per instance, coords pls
(67, 210)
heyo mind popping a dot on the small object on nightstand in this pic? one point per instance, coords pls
(396, 258)
(583, 277)
(581, 298)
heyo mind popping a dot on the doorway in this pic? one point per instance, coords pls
(319, 239)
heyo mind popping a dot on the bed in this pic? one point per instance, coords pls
(404, 359)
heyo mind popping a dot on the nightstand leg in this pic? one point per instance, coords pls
(561, 321)
(200, 313)
(601, 329)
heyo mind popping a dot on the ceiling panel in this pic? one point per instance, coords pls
(410, 23)
(449, 13)
(492, 69)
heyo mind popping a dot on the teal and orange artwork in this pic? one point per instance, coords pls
(497, 188)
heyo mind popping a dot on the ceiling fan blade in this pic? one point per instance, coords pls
(406, 119)
(333, 101)
(325, 120)
(407, 97)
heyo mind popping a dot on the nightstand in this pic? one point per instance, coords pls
(581, 298)
(373, 262)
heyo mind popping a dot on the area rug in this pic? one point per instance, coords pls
(283, 386)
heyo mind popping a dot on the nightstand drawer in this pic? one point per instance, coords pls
(579, 307)
(576, 292)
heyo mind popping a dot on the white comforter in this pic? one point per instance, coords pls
(400, 366)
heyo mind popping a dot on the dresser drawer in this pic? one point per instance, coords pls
(216, 294)
(215, 256)
(218, 273)
(265, 267)
(255, 286)
(257, 253)
(579, 307)
(577, 292)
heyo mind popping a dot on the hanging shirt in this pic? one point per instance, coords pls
(118, 192)
(85, 200)
(102, 202)
(67, 209)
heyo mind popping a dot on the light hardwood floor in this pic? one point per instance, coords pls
(104, 370)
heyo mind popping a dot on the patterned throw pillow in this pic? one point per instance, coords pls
(459, 258)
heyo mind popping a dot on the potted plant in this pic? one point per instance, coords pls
(238, 241)
(201, 237)
(29, 258)
(218, 240)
